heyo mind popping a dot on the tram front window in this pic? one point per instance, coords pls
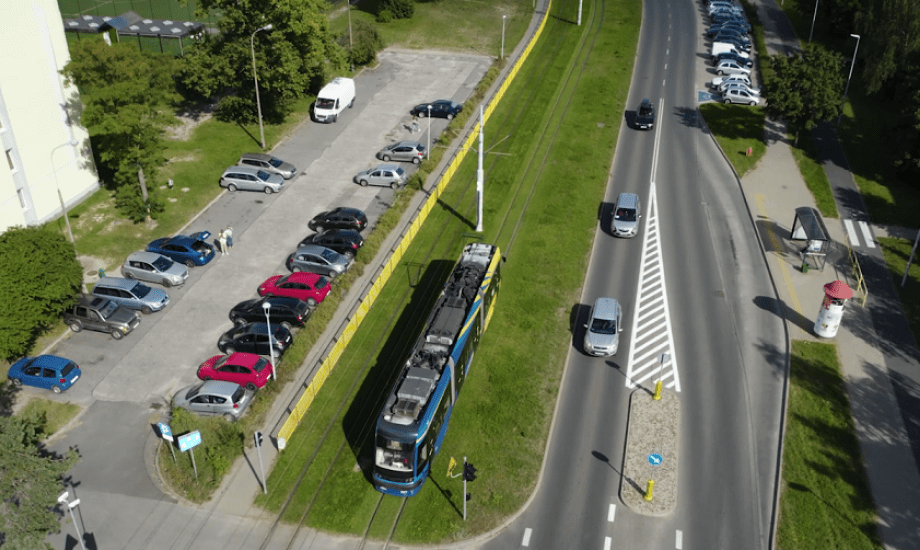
(394, 455)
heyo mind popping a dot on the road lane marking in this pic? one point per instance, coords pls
(851, 232)
(760, 198)
(870, 242)
(611, 513)
(679, 540)
(607, 542)
(526, 541)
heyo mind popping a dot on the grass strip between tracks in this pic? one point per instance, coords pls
(825, 501)
(502, 418)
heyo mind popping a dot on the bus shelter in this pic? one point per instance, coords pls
(808, 227)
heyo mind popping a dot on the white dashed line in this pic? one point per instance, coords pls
(851, 232)
(679, 540)
(870, 242)
(607, 543)
(611, 513)
(526, 541)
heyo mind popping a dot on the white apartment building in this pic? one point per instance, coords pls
(45, 148)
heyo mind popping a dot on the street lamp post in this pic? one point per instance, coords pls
(503, 35)
(255, 77)
(813, 17)
(428, 151)
(72, 143)
(847, 88)
(266, 306)
(70, 506)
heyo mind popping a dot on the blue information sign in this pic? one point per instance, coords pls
(165, 431)
(654, 459)
(189, 440)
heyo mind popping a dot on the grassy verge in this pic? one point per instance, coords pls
(736, 128)
(55, 415)
(897, 251)
(814, 175)
(501, 421)
(825, 501)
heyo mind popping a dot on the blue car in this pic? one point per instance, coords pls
(49, 372)
(190, 250)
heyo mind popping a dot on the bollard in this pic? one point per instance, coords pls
(657, 396)
(804, 267)
(648, 491)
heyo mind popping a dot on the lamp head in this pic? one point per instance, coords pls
(856, 36)
(63, 497)
(267, 27)
(266, 306)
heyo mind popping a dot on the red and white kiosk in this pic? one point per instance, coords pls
(835, 296)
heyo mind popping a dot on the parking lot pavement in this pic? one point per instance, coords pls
(164, 360)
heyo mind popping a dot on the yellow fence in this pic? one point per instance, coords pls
(303, 403)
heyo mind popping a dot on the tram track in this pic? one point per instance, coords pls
(447, 238)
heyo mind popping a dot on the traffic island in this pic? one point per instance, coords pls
(651, 453)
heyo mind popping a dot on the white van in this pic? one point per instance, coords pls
(333, 99)
(722, 47)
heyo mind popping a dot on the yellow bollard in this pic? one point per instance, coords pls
(657, 396)
(648, 492)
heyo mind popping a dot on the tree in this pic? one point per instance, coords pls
(367, 42)
(30, 482)
(127, 97)
(395, 9)
(41, 275)
(804, 89)
(293, 57)
(890, 34)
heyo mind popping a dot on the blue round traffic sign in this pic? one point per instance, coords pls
(655, 459)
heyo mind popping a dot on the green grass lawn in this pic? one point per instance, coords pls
(736, 128)
(897, 251)
(502, 419)
(814, 175)
(825, 500)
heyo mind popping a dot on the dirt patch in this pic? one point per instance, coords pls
(187, 120)
(91, 266)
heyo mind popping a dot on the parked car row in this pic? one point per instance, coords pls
(729, 53)
(257, 172)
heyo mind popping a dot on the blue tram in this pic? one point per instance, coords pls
(412, 424)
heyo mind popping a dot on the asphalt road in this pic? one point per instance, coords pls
(727, 344)
(127, 384)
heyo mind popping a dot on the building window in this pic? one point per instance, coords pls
(9, 159)
(22, 199)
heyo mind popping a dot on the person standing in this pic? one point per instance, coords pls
(228, 233)
(222, 241)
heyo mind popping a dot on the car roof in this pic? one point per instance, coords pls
(628, 200)
(386, 167)
(312, 249)
(219, 387)
(303, 277)
(91, 300)
(48, 361)
(244, 169)
(256, 156)
(347, 210)
(117, 282)
(244, 359)
(143, 256)
(606, 308)
(407, 143)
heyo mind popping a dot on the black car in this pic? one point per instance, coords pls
(722, 17)
(743, 61)
(285, 311)
(343, 241)
(443, 108)
(339, 218)
(645, 115)
(253, 338)
(733, 37)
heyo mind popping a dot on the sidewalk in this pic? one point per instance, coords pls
(877, 351)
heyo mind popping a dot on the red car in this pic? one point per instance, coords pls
(246, 369)
(309, 287)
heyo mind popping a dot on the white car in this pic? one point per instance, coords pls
(734, 95)
(719, 80)
(731, 67)
(732, 85)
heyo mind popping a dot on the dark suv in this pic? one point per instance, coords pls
(284, 311)
(339, 218)
(101, 314)
(343, 241)
(645, 115)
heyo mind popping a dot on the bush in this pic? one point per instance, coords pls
(399, 9)
(128, 198)
(366, 43)
(384, 16)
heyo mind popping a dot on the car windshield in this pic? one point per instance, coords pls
(604, 326)
(140, 290)
(108, 309)
(263, 175)
(220, 362)
(645, 110)
(400, 171)
(260, 364)
(394, 455)
(275, 162)
(162, 263)
(330, 256)
(322, 103)
(321, 283)
(626, 215)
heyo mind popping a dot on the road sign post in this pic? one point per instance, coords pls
(263, 481)
(662, 359)
(188, 442)
(166, 432)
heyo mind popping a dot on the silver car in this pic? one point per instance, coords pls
(736, 95)
(131, 294)
(214, 397)
(404, 151)
(154, 268)
(731, 67)
(719, 80)
(313, 258)
(268, 163)
(602, 336)
(249, 178)
(386, 175)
